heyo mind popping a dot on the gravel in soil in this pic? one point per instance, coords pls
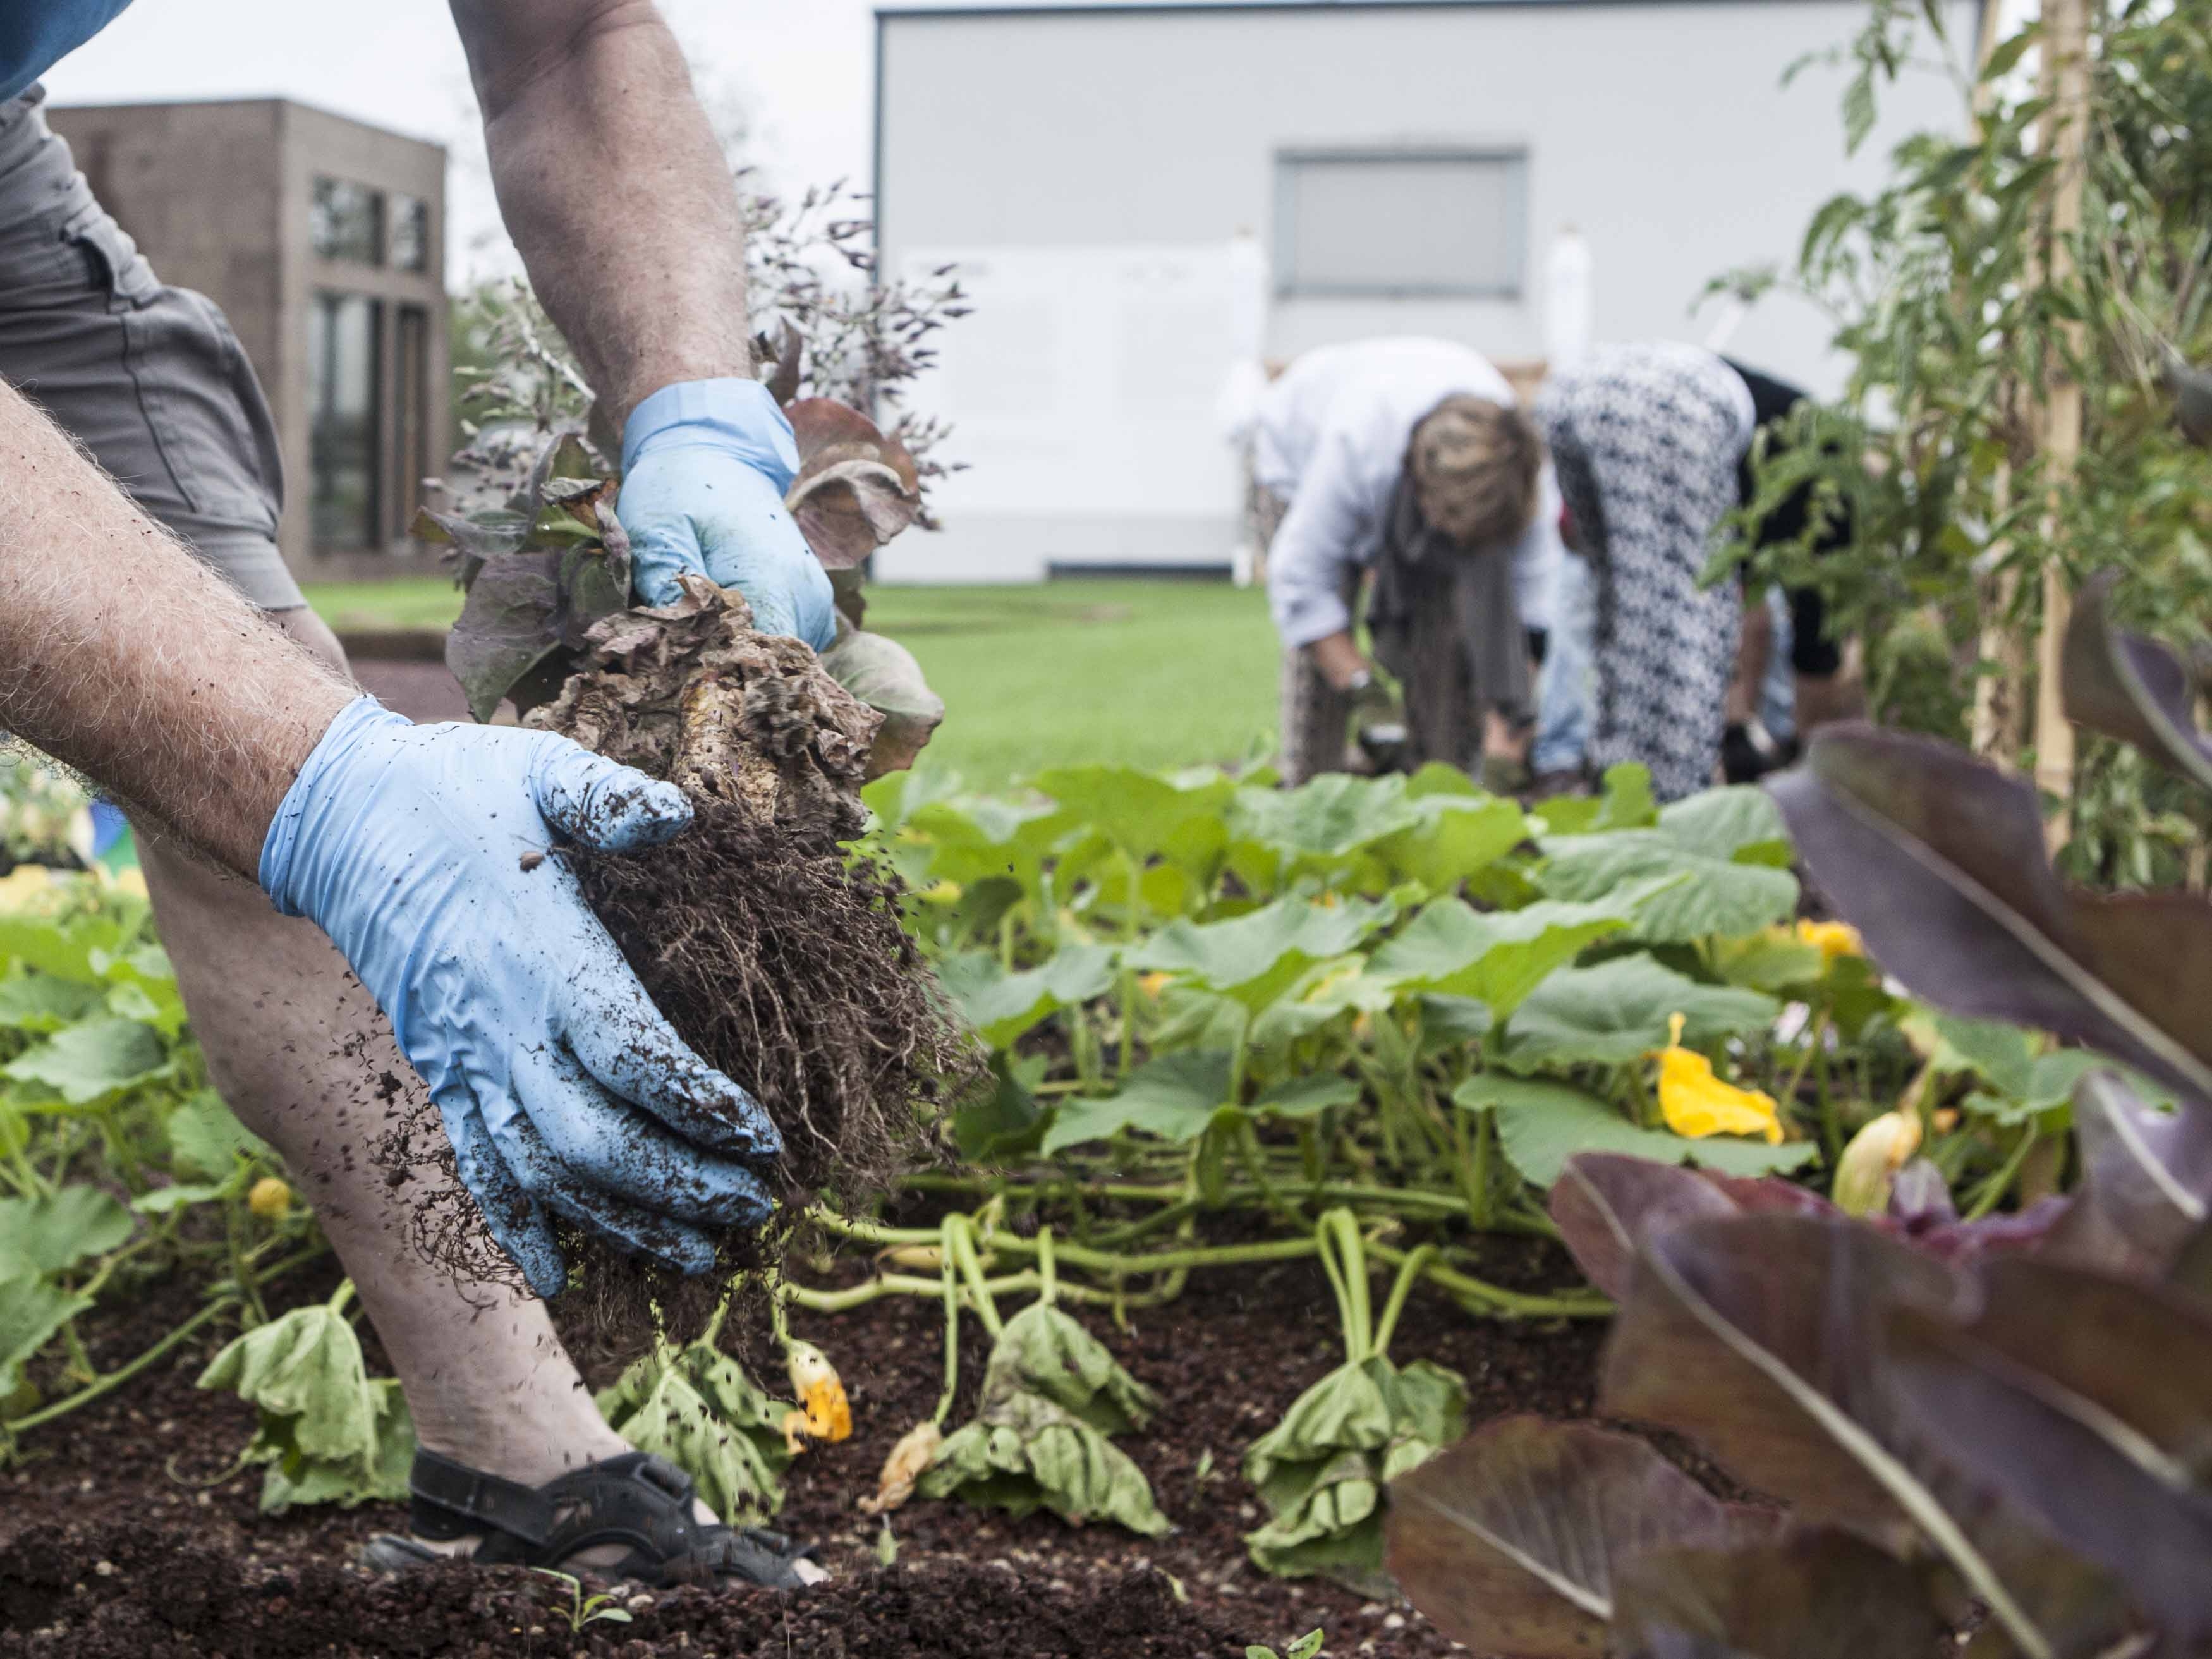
(193, 1568)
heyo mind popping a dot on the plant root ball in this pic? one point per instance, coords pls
(774, 953)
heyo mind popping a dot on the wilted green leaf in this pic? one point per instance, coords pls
(697, 1407)
(304, 1372)
(382, 1478)
(1049, 1353)
(1023, 1453)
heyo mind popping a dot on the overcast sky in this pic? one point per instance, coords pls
(802, 70)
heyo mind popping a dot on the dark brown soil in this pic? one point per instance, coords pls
(198, 1570)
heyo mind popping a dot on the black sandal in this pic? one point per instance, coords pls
(635, 1499)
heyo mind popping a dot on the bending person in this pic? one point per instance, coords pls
(1408, 459)
(1646, 441)
(158, 643)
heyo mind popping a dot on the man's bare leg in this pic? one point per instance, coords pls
(277, 1012)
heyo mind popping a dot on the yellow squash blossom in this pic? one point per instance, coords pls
(1696, 1104)
(1153, 983)
(1831, 939)
(916, 1451)
(824, 1412)
(1868, 1167)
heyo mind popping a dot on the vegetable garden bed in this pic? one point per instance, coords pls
(131, 1481)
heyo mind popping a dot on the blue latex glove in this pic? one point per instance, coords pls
(706, 464)
(563, 1089)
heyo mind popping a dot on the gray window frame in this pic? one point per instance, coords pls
(1287, 160)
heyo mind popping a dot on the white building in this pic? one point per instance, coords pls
(1140, 195)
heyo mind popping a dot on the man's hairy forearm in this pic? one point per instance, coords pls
(614, 189)
(121, 654)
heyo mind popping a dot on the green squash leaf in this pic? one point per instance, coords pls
(1541, 1125)
(1174, 1097)
(1616, 1013)
(1711, 894)
(55, 1233)
(94, 1060)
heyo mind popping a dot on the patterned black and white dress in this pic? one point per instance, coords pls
(1646, 440)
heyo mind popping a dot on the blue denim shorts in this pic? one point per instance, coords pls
(149, 379)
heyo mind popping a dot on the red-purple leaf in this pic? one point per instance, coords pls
(509, 623)
(2076, 1404)
(2147, 1180)
(856, 487)
(1607, 1204)
(1511, 1540)
(1751, 1334)
(2129, 687)
(1938, 860)
(1815, 1595)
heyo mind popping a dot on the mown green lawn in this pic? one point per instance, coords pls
(1149, 673)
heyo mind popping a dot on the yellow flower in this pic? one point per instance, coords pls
(824, 1412)
(22, 884)
(1869, 1164)
(1831, 939)
(1153, 983)
(1696, 1104)
(130, 880)
(269, 1199)
(916, 1451)
(940, 892)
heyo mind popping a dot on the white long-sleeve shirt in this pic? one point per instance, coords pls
(1331, 439)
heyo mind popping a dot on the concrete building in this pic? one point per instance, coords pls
(1394, 167)
(324, 239)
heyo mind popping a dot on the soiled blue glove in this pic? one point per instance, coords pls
(561, 1088)
(706, 464)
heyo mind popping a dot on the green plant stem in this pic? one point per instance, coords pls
(1401, 1287)
(1991, 1191)
(962, 1239)
(121, 1375)
(1435, 1203)
(1254, 1161)
(1813, 1038)
(949, 1287)
(1020, 1284)
(1496, 1300)
(1089, 1261)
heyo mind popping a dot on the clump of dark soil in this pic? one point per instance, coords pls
(128, 1591)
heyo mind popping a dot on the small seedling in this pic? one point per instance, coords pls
(886, 1545)
(584, 1610)
(1204, 1471)
(1305, 1648)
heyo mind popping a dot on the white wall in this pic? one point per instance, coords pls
(1660, 128)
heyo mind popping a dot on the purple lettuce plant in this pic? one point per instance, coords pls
(1996, 1430)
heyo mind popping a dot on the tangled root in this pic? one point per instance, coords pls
(774, 953)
